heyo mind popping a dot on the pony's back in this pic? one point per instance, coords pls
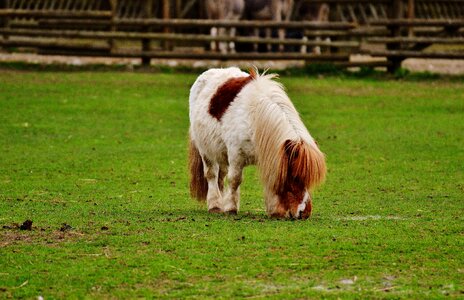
(204, 112)
(207, 83)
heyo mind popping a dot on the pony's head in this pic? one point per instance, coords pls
(301, 167)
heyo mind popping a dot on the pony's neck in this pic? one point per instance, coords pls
(275, 120)
(276, 117)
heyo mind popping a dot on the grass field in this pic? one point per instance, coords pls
(97, 161)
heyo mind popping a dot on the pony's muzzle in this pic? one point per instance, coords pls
(297, 212)
(303, 210)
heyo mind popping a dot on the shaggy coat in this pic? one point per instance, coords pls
(238, 119)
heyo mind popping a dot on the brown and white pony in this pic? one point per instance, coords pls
(269, 10)
(238, 119)
(224, 10)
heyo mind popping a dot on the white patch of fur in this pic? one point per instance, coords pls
(302, 205)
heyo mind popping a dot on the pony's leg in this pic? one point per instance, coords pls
(273, 206)
(234, 178)
(213, 198)
(222, 175)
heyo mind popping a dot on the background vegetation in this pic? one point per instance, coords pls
(97, 161)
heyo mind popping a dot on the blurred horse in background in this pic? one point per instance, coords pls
(269, 10)
(315, 12)
(224, 10)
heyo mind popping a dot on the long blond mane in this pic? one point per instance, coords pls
(284, 148)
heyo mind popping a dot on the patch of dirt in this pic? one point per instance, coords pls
(66, 227)
(27, 234)
(27, 225)
(13, 237)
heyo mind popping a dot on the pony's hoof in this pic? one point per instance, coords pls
(215, 210)
(232, 212)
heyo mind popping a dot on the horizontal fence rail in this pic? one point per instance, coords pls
(387, 30)
(173, 37)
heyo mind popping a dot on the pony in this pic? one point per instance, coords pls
(224, 10)
(273, 10)
(239, 119)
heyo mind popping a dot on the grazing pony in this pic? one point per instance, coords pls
(238, 119)
(224, 10)
(273, 10)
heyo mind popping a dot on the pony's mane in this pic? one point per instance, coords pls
(254, 73)
(285, 149)
(300, 162)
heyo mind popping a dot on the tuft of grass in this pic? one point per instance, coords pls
(97, 161)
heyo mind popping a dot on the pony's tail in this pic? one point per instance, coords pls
(198, 183)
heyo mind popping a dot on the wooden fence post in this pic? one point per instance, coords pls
(6, 20)
(395, 31)
(166, 16)
(178, 9)
(148, 9)
(411, 15)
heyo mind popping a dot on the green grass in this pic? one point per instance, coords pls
(105, 153)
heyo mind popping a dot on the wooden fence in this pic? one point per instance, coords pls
(391, 30)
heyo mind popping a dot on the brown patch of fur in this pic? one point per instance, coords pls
(308, 209)
(198, 183)
(226, 94)
(300, 163)
(291, 197)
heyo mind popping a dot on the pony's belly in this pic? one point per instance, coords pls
(237, 131)
(242, 145)
(209, 142)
